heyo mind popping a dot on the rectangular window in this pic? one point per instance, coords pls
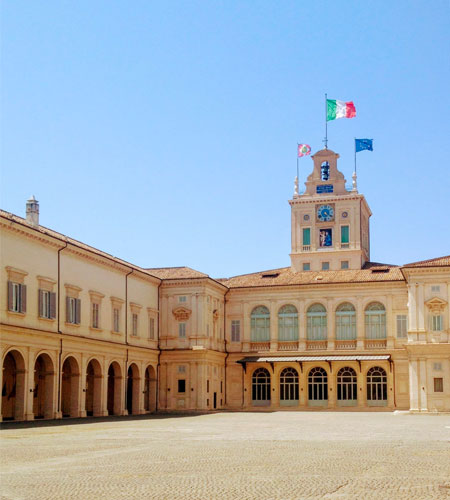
(306, 236)
(47, 304)
(134, 329)
(402, 326)
(182, 385)
(345, 239)
(95, 315)
(151, 329)
(436, 323)
(437, 367)
(182, 298)
(438, 385)
(182, 330)
(235, 330)
(181, 369)
(207, 330)
(306, 266)
(116, 320)
(344, 264)
(73, 310)
(207, 386)
(17, 297)
(325, 266)
(435, 288)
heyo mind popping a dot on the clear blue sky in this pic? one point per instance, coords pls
(165, 132)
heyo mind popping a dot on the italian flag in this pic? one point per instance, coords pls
(340, 109)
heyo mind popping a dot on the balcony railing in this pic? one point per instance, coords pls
(288, 346)
(306, 248)
(259, 346)
(345, 344)
(316, 345)
(375, 343)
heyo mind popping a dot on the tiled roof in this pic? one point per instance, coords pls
(167, 273)
(438, 262)
(372, 272)
(79, 244)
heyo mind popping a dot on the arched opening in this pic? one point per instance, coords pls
(261, 387)
(316, 325)
(347, 390)
(375, 321)
(317, 387)
(44, 377)
(150, 389)
(93, 389)
(346, 322)
(260, 324)
(69, 388)
(133, 390)
(288, 323)
(13, 388)
(376, 387)
(114, 393)
(289, 387)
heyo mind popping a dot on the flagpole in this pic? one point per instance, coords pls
(355, 154)
(297, 160)
(326, 124)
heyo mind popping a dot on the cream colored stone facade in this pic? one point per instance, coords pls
(84, 333)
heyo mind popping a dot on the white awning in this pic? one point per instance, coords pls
(284, 359)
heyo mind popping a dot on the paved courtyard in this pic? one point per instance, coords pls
(282, 455)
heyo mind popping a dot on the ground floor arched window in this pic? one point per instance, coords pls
(289, 387)
(347, 388)
(261, 387)
(376, 387)
(317, 387)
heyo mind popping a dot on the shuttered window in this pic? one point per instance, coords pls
(47, 304)
(345, 234)
(73, 310)
(306, 236)
(235, 330)
(17, 297)
(151, 328)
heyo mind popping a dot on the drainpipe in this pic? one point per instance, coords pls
(126, 335)
(159, 351)
(225, 345)
(59, 330)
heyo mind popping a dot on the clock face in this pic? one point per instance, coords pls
(325, 213)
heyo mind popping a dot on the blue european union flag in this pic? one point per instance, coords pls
(362, 144)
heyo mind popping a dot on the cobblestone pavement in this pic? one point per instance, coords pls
(284, 455)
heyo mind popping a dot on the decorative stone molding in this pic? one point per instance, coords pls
(215, 314)
(16, 275)
(96, 296)
(135, 308)
(46, 283)
(181, 313)
(436, 305)
(72, 290)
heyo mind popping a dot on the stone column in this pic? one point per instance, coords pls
(360, 333)
(275, 386)
(423, 384)
(82, 392)
(413, 385)
(390, 386)
(303, 387)
(273, 326)
(331, 324)
(29, 386)
(420, 304)
(390, 324)
(412, 307)
(104, 389)
(332, 395)
(361, 387)
(301, 325)
(246, 328)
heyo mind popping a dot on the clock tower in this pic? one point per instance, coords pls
(330, 224)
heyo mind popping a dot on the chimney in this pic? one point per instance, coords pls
(33, 211)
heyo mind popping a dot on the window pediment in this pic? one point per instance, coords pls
(181, 313)
(436, 305)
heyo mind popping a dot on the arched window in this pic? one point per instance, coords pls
(347, 390)
(316, 322)
(288, 323)
(261, 387)
(260, 324)
(376, 387)
(346, 322)
(317, 386)
(375, 321)
(289, 386)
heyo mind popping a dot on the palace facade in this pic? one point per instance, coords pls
(85, 333)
